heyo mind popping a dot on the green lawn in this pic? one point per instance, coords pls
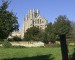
(38, 53)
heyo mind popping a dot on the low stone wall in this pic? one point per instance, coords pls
(28, 44)
(0, 44)
(72, 44)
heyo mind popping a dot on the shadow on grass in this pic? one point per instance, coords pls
(41, 57)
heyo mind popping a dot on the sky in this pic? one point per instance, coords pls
(49, 9)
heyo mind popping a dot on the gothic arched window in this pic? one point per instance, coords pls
(38, 21)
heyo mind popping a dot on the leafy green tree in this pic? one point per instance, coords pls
(51, 36)
(32, 34)
(45, 38)
(72, 32)
(62, 27)
(33, 31)
(8, 21)
(16, 38)
(27, 37)
(42, 36)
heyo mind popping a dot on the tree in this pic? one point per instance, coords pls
(32, 34)
(51, 36)
(62, 27)
(8, 21)
(73, 32)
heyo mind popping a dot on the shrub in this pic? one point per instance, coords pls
(10, 39)
(1, 39)
(6, 44)
(17, 38)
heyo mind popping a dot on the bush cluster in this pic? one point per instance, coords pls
(6, 44)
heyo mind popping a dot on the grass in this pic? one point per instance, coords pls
(37, 53)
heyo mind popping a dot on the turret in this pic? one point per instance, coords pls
(26, 18)
(37, 13)
(30, 14)
(33, 12)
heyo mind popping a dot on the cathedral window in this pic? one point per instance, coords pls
(35, 21)
(35, 14)
(40, 21)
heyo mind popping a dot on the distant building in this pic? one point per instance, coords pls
(33, 18)
(15, 34)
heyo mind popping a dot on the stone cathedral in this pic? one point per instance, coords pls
(33, 18)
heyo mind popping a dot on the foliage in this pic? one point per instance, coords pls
(17, 38)
(72, 32)
(33, 31)
(62, 28)
(32, 34)
(6, 44)
(27, 37)
(1, 39)
(62, 25)
(51, 36)
(8, 21)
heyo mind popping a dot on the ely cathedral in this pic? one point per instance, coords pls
(33, 18)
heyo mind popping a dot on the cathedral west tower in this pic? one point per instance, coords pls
(33, 18)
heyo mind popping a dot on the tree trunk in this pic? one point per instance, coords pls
(64, 49)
